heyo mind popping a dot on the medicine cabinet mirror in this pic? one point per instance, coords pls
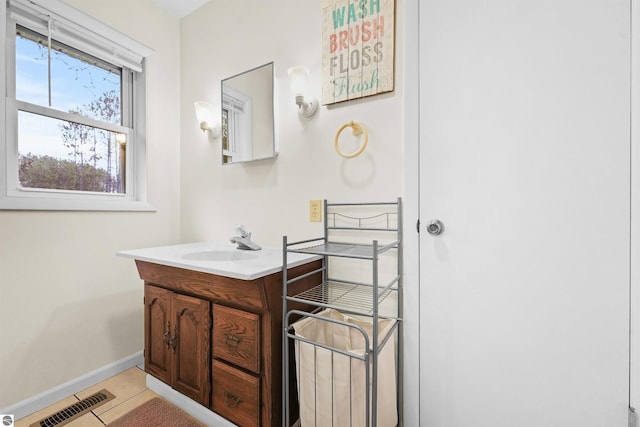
(248, 116)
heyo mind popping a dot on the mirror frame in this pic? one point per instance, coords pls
(246, 99)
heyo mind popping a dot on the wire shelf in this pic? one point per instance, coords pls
(348, 250)
(352, 297)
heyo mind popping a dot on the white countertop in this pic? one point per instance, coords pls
(220, 259)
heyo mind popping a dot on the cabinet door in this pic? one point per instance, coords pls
(191, 367)
(157, 326)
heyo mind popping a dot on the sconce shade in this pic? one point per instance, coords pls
(206, 118)
(204, 113)
(299, 77)
(299, 80)
(121, 138)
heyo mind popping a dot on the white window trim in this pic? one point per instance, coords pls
(239, 107)
(130, 54)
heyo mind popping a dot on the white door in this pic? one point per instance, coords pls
(524, 156)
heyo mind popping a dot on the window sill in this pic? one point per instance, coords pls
(58, 204)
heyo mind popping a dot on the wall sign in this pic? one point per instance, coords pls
(358, 48)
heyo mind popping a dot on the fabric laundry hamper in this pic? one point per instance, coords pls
(332, 386)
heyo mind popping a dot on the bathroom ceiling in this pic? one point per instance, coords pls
(180, 8)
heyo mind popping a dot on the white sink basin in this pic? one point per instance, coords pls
(220, 255)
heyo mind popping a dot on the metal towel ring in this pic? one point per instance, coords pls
(357, 129)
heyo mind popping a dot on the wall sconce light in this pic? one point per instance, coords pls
(121, 139)
(205, 115)
(300, 87)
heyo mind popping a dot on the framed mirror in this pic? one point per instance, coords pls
(248, 116)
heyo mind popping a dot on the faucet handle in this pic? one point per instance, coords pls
(242, 231)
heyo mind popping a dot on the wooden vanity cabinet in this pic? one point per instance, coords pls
(231, 334)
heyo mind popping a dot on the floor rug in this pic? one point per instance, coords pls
(156, 412)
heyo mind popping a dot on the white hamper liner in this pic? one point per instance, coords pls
(331, 385)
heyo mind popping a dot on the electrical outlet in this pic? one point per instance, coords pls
(315, 210)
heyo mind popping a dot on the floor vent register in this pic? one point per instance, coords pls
(76, 410)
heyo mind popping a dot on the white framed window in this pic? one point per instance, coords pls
(73, 113)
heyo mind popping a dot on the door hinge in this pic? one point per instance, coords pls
(418, 226)
(633, 417)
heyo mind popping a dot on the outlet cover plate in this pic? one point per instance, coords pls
(315, 210)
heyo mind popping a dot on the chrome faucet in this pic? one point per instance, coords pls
(243, 240)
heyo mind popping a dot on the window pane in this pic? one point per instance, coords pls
(80, 83)
(225, 136)
(56, 154)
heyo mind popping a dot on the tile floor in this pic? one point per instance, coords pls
(128, 387)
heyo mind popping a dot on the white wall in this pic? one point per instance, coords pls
(634, 392)
(69, 305)
(272, 197)
(411, 254)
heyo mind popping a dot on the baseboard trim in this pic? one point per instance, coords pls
(55, 394)
(191, 407)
